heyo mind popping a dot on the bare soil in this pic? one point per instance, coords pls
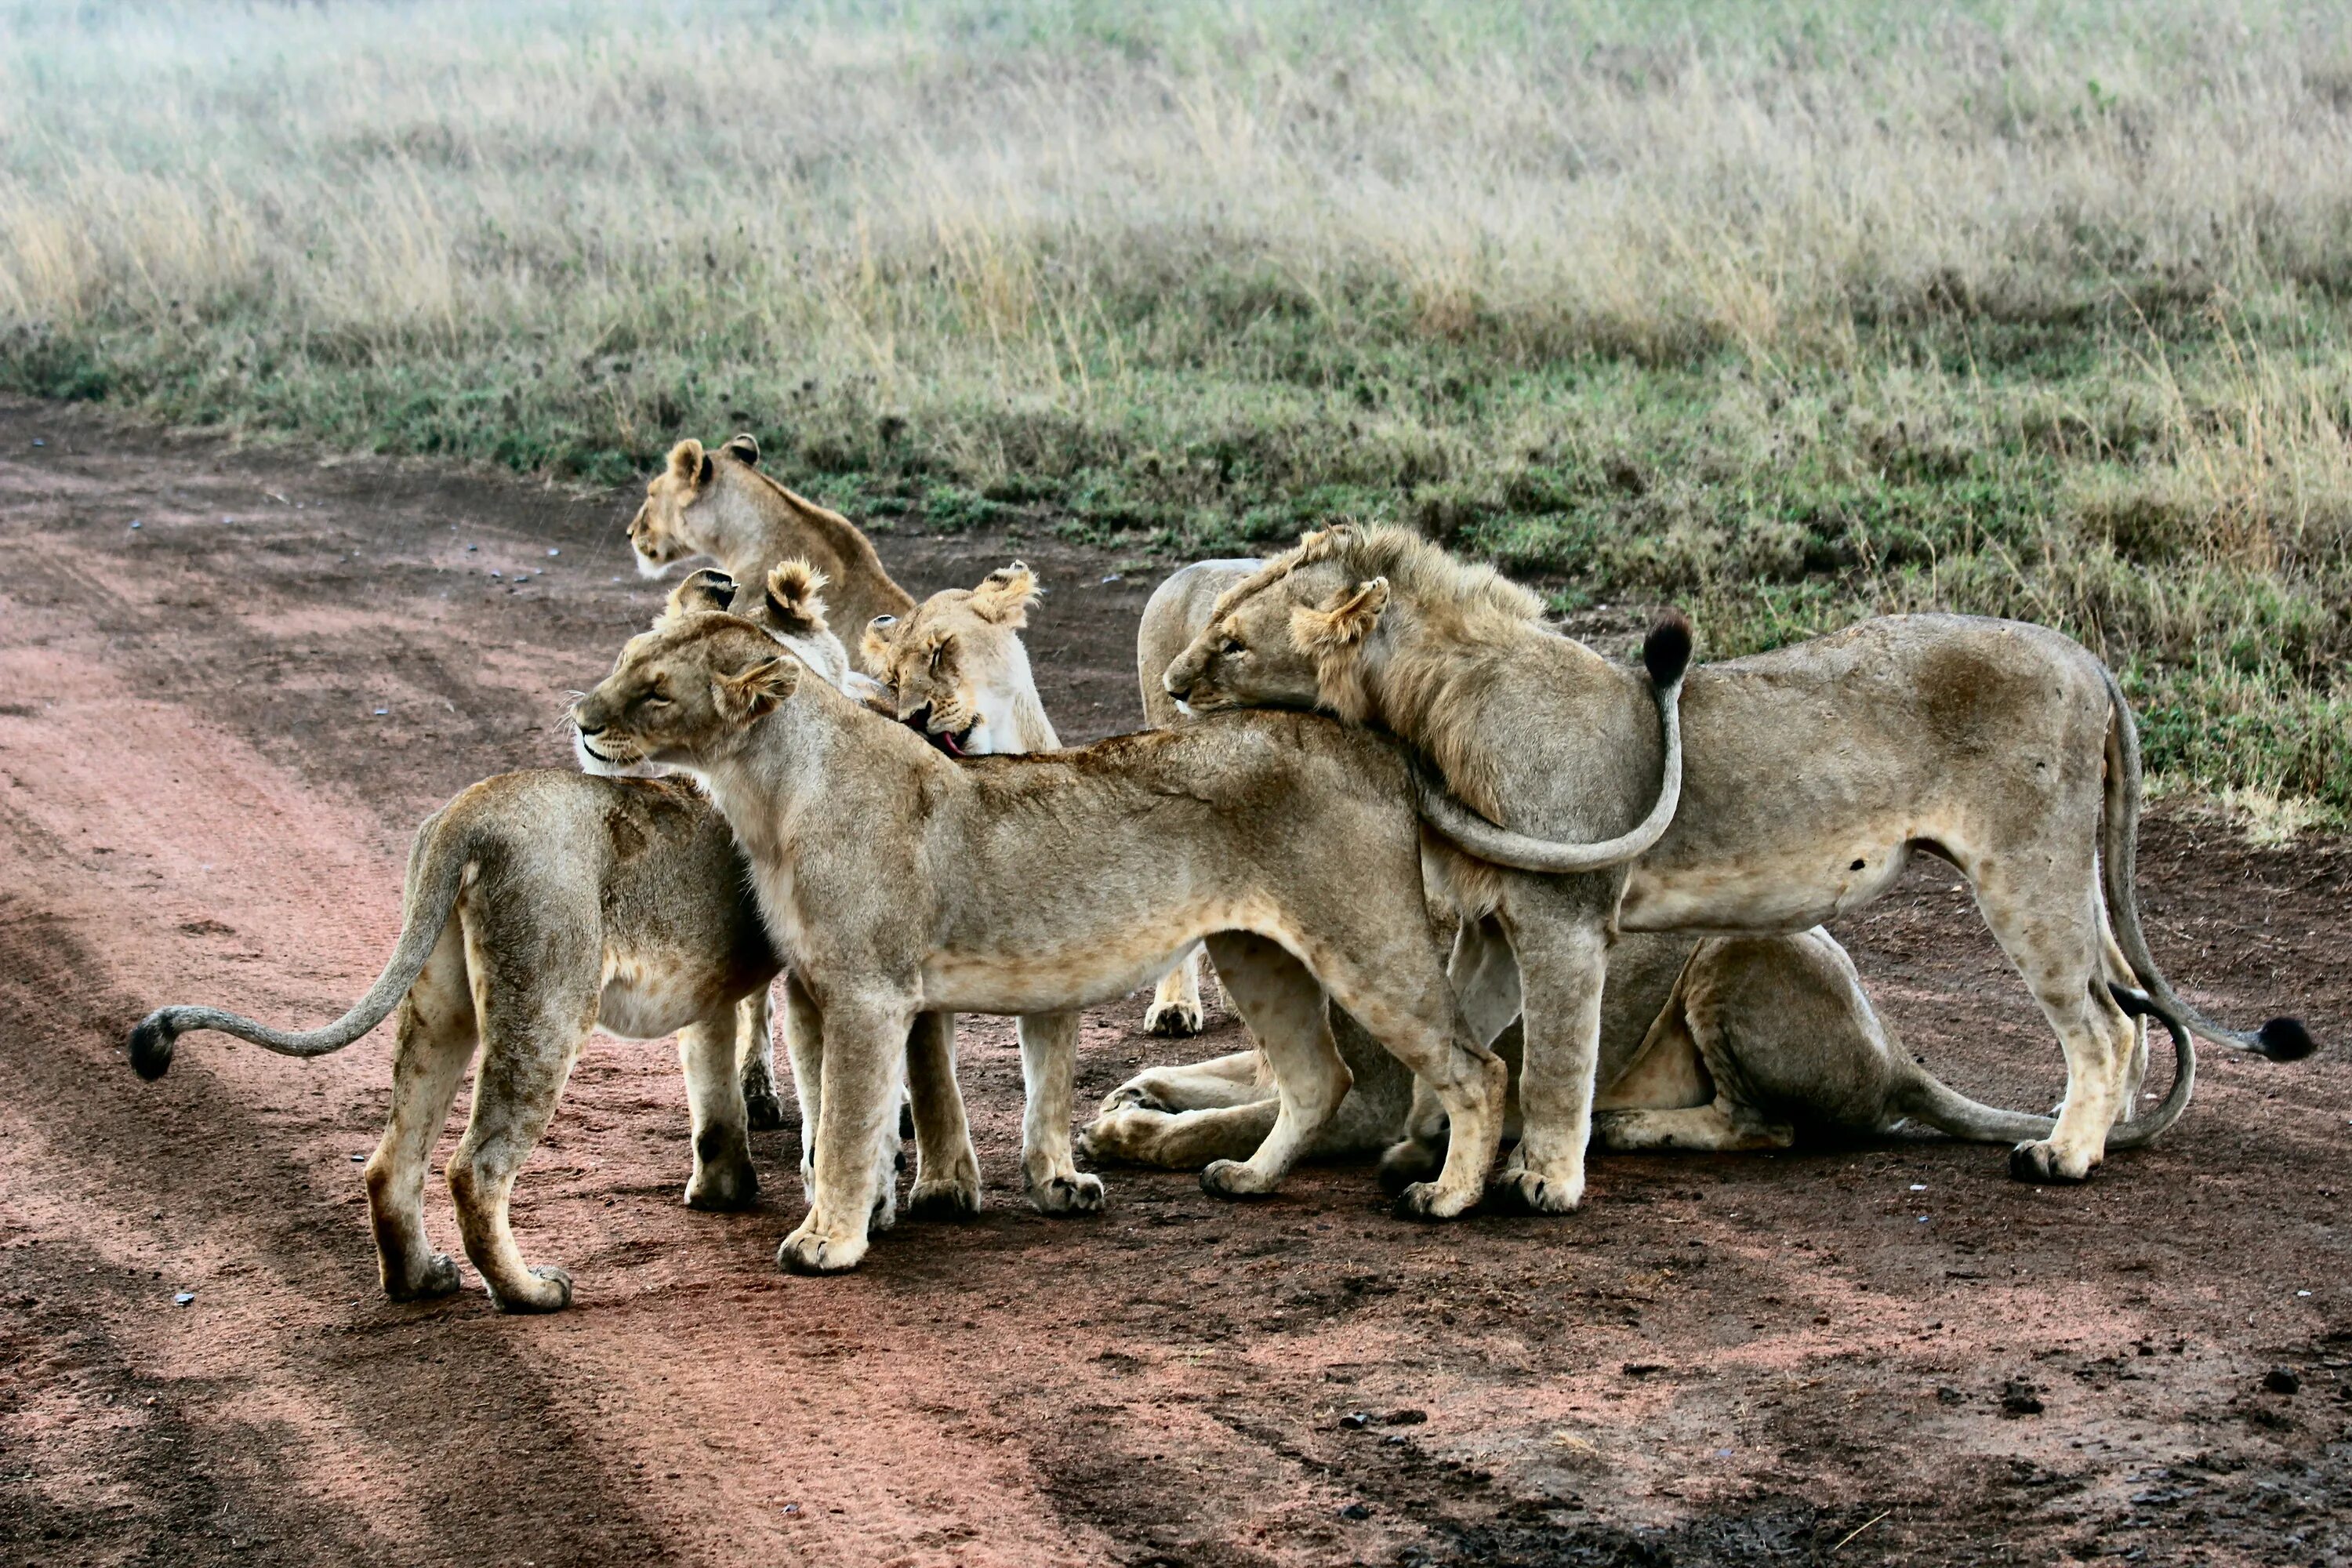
(217, 728)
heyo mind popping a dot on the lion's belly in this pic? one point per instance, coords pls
(645, 999)
(1048, 973)
(1760, 893)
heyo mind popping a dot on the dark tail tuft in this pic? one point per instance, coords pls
(151, 1046)
(1666, 651)
(2285, 1040)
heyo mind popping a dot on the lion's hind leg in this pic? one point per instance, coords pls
(1049, 1058)
(437, 1036)
(536, 1001)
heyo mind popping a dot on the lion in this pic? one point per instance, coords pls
(539, 906)
(954, 671)
(898, 880)
(720, 504)
(1811, 775)
(1714, 1045)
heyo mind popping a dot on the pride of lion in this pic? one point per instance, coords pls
(1466, 883)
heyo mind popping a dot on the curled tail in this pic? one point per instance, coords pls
(1927, 1098)
(437, 870)
(1666, 653)
(2281, 1039)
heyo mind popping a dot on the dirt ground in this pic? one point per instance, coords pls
(235, 680)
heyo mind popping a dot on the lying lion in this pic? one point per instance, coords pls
(540, 905)
(897, 881)
(1812, 774)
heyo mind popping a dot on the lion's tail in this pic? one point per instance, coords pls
(2281, 1039)
(1927, 1098)
(1665, 652)
(437, 870)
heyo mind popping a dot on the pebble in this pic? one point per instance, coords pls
(2282, 1379)
(184, 1298)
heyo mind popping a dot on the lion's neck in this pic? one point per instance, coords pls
(1430, 684)
(1015, 713)
(752, 523)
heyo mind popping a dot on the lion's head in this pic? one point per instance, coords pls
(684, 692)
(663, 532)
(956, 667)
(790, 608)
(1294, 633)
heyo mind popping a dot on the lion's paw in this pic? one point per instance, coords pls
(2041, 1163)
(1234, 1179)
(1077, 1193)
(1530, 1191)
(723, 1184)
(437, 1277)
(1133, 1095)
(1405, 1163)
(806, 1253)
(1174, 1020)
(1428, 1200)
(946, 1198)
(885, 1211)
(1118, 1134)
(550, 1292)
(763, 1110)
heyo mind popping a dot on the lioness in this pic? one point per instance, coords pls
(579, 903)
(898, 880)
(721, 505)
(1812, 774)
(954, 670)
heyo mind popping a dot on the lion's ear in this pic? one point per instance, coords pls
(1005, 594)
(752, 694)
(744, 447)
(881, 636)
(690, 464)
(1346, 621)
(795, 605)
(706, 589)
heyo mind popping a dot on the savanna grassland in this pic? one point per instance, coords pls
(1786, 311)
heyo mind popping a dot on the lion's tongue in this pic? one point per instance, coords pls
(948, 744)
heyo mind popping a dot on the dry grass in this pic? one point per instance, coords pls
(1791, 310)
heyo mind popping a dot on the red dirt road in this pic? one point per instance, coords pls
(217, 731)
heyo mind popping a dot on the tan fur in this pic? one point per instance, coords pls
(1811, 774)
(721, 505)
(1706, 1044)
(957, 670)
(900, 881)
(541, 906)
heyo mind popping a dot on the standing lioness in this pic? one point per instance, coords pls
(896, 881)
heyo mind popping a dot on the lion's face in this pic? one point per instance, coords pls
(661, 533)
(682, 693)
(1257, 651)
(952, 664)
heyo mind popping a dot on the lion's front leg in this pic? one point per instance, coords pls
(755, 1056)
(1176, 1010)
(1283, 1007)
(1049, 1060)
(947, 1168)
(865, 1048)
